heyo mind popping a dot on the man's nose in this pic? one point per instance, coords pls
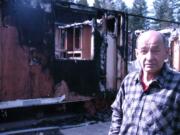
(149, 55)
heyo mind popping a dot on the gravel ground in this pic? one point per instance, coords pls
(99, 128)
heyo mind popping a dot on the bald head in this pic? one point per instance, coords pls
(148, 35)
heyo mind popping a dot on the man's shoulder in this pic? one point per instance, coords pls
(174, 74)
(133, 75)
(172, 79)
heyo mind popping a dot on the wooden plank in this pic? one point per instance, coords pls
(38, 102)
(31, 102)
(35, 131)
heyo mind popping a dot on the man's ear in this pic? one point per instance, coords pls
(167, 53)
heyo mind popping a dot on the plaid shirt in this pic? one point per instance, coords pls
(152, 112)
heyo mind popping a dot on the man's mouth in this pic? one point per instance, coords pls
(149, 64)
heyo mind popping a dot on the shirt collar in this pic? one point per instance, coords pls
(163, 75)
(159, 80)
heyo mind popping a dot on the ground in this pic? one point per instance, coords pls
(99, 128)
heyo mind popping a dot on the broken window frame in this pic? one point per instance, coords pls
(73, 47)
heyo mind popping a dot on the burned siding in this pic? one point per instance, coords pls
(174, 42)
(26, 49)
(19, 79)
(176, 56)
(86, 42)
(14, 66)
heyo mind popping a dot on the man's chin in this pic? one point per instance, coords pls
(151, 70)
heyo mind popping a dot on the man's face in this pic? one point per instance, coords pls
(151, 52)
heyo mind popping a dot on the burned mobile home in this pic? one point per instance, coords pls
(54, 52)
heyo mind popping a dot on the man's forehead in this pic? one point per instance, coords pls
(151, 45)
(152, 38)
(150, 42)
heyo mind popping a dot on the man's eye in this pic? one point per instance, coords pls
(156, 50)
(143, 51)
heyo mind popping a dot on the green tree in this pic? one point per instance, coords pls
(83, 2)
(69, 0)
(107, 4)
(139, 8)
(124, 8)
(97, 4)
(120, 6)
(164, 11)
(176, 8)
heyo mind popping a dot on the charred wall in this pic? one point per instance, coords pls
(20, 79)
(28, 67)
(81, 76)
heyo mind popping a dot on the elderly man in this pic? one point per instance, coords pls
(148, 101)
